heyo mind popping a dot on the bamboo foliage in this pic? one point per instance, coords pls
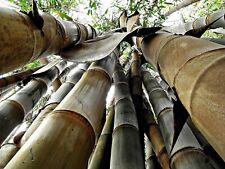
(67, 136)
(126, 146)
(201, 64)
(33, 41)
(13, 109)
(187, 152)
(101, 156)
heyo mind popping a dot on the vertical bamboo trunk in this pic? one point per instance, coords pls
(187, 152)
(136, 91)
(9, 81)
(72, 78)
(201, 64)
(13, 110)
(155, 137)
(200, 22)
(67, 136)
(22, 41)
(126, 150)
(180, 5)
(101, 156)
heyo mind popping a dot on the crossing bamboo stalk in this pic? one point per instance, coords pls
(67, 136)
(22, 40)
(154, 135)
(101, 156)
(12, 110)
(201, 64)
(187, 152)
(126, 146)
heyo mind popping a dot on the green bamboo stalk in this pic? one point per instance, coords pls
(201, 64)
(67, 136)
(12, 110)
(101, 156)
(126, 150)
(187, 153)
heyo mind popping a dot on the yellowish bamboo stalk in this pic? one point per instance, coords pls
(12, 110)
(67, 136)
(201, 64)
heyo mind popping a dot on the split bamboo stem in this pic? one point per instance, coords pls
(22, 41)
(126, 150)
(155, 136)
(67, 136)
(101, 156)
(187, 152)
(201, 64)
(12, 110)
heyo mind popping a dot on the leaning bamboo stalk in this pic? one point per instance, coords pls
(12, 110)
(155, 136)
(22, 40)
(126, 146)
(72, 78)
(201, 64)
(67, 136)
(101, 156)
(187, 152)
(200, 22)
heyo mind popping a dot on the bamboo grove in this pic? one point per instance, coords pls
(170, 116)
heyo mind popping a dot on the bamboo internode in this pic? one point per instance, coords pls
(67, 136)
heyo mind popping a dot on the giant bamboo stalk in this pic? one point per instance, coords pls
(67, 136)
(200, 22)
(101, 156)
(22, 41)
(13, 109)
(187, 152)
(180, 5)
(201, 64)
(155, 137)
(126, 150)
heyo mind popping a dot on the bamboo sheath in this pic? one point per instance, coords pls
(155, 137)
(126, 152)
(187, 152)
(200, 22)
(67, 136)
(12, 110)
(182, 59)
(30, 42)
(101, 156)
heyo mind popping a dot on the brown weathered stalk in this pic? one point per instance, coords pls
(195, 68)
(12, 110)
(187, 152)
(22, 41)
(126, 146)
(101, 156)
(155, 137)
(72, 78)
(200, 22)
(67, 136)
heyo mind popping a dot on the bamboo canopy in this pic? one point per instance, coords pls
(33, 41)
(201, 64)
(187, 145)
(12, 110)
(126, 150)
(67, 136)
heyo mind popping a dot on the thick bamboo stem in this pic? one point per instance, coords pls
(101, 156)
(13, 109)
(187, 152)
(126, 150)
(201, 64)
(22, 41)
(67, 136)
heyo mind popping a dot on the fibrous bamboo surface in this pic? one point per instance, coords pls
(195, 68)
